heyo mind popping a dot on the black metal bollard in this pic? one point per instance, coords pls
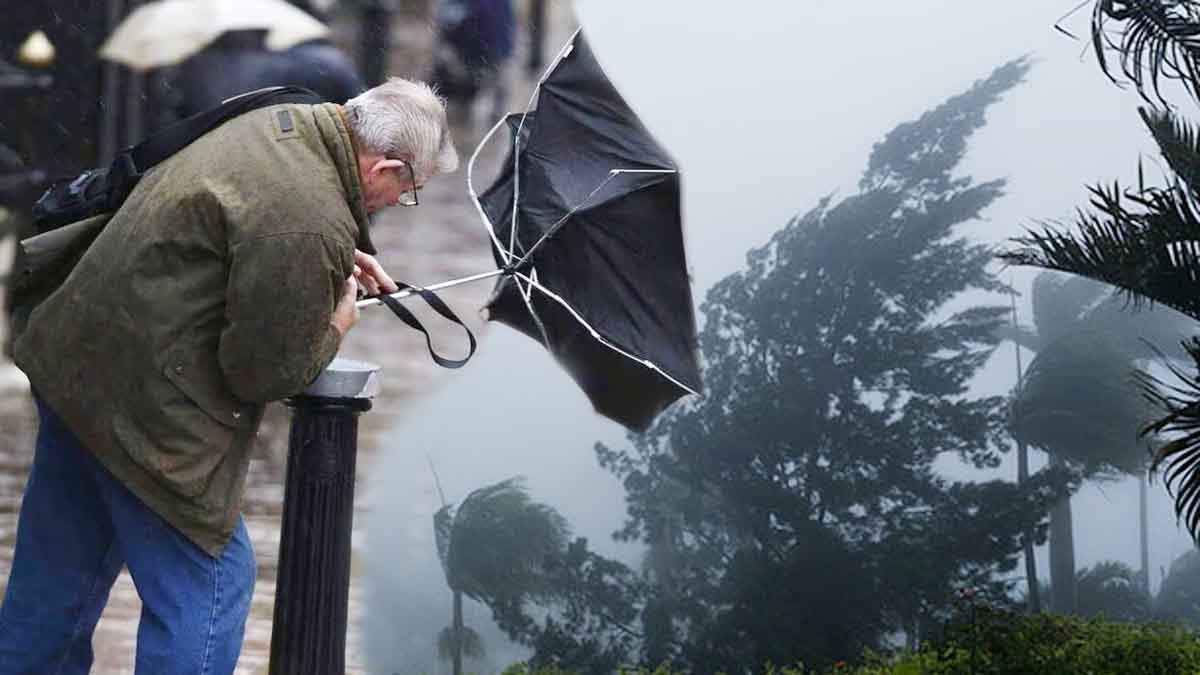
(312, 588)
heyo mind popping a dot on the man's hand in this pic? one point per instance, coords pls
(371, 276)
(345, 315)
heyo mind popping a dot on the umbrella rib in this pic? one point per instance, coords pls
(561, 222)
(527, 295)
(562, 54)
(487, 223)
(508, 253)
(603, 340)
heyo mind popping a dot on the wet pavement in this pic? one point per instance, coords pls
(441, 239)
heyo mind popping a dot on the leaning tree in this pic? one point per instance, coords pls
(836, 377)
(494, 547)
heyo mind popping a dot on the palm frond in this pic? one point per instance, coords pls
(500, 541)
(1022, 335)
(1151, 251)
(1141, 333)
(1179, 143)
(443, 528)
(1156, 40)
(472, 643)
(1060, 302)
(1077, 401)
(1181, 455)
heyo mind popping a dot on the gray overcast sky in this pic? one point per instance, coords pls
(769, 105)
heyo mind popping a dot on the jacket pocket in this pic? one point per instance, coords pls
(198, 375)
(188, 431)
(180, 443)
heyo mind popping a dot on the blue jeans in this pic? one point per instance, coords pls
(78, 526)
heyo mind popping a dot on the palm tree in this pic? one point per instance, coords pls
(1146, 240)
(493, 548)
(1113, 590)
(1075, 401)
(1178, 598)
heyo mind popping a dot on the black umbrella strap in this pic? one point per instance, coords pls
(438, 306)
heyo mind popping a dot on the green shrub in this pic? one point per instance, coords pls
(1003, 643)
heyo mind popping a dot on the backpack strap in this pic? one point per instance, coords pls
(101, 190)
(179, 135)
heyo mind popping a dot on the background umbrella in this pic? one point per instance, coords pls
(166, 32)
(587, 233)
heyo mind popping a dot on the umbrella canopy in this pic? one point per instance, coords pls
(586, 224)
(166, 32)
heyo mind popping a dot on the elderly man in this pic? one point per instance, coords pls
(226, 280)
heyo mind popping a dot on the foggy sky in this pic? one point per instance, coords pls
(768, 106)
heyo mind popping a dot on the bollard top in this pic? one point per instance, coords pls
(346, 378)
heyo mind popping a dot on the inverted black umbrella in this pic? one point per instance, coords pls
(587, 234)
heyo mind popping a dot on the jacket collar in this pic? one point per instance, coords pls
(336, 134)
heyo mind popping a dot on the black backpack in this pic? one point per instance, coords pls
(103, 190)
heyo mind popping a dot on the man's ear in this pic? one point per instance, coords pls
(384, 164)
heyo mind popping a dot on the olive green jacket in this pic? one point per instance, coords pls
(208, 294)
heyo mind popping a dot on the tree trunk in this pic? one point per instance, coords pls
(658, 618)
(1034, 593)
(457, 651)
(1062, 554)
(1143, 533)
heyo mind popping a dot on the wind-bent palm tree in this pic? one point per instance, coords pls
(1113, 590)
(1178, 597)
(1146, 240)
(493, 549)
(1077, 402)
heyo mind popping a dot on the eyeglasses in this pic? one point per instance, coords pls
(409, 197)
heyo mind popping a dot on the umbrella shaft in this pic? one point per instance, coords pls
(434, 287)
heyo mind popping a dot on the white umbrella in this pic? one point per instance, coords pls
(166, 32)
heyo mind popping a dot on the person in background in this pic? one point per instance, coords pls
(239, 61)
(474, 42)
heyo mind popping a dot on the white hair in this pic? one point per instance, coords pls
(403, 119)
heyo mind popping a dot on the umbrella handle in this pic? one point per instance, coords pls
(406, 290)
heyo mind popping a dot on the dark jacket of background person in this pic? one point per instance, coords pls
(208, 294)
(239, 61)
(481, 31)
(474, 37)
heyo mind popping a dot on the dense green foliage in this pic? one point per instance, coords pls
(992, 642)
(1001, 643)
(589, 621)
